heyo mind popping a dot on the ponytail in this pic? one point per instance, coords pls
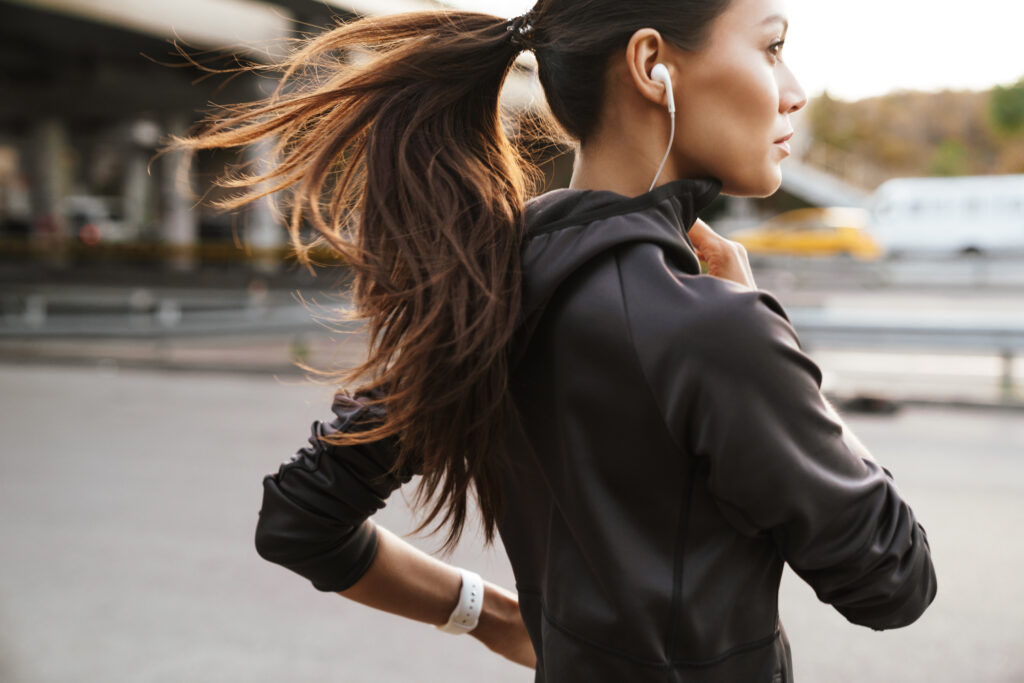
(399, 162)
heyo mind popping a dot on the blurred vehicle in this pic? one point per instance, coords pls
(829, 231)
(948, 216)
(94, 219)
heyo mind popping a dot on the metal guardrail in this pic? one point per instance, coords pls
(141, 313)
(191, 317)
(846, 328)
(1002, 336)
(168, 319)
(981, 273)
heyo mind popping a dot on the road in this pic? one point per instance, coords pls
(129, 498)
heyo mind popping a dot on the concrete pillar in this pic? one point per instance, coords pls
(179, 224)
(264, 230)
(15, 203)
(135, 194)
(49, 184)
(138, 192)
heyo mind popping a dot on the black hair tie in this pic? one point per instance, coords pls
(520, 31)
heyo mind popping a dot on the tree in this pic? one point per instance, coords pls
(1006, 109)
(949, 159)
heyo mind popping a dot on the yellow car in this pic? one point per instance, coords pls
(831, 231)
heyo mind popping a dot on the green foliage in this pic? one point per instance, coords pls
(950, 159)
(821, 114)
(832, 123)
(1006, 109)
(910, 133)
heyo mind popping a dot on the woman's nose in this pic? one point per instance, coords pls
(792, 97)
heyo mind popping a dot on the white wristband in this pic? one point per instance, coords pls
(466, 614)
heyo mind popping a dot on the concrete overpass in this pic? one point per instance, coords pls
(218, 23)
(85, 109)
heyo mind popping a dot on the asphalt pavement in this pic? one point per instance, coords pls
(129, 499)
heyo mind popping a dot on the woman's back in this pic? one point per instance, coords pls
(634, 557)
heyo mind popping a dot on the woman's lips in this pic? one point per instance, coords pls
(784, 142)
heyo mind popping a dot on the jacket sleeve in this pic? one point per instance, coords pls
(779, 462)
(314, 519)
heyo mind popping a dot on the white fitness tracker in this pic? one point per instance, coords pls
(466, 614)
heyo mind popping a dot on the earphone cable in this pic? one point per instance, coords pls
(671, 139)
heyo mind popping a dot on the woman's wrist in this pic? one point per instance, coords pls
(501, 627)
(500, 612)
(406, 581)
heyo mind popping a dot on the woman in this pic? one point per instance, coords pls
(650, 442)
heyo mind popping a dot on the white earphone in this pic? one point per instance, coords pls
(660, 74)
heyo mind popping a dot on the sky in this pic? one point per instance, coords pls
(871, 47)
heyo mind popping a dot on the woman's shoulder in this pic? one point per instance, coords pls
(692, 328)
(704, 312)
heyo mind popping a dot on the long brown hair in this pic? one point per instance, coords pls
(400, 162)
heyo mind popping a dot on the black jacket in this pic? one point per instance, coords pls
(674, 451)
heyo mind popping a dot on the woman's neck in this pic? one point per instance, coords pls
(623, 164)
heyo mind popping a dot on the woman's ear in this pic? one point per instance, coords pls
(645, 49)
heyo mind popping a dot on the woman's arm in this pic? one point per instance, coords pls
(404, 580)
(728, 260)
(315, 521)
(775, 454)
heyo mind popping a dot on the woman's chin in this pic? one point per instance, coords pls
(759, 188)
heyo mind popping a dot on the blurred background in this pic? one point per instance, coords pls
(148, 345)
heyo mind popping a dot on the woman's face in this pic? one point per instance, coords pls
(734, 98)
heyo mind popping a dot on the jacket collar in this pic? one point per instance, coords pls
(566, 229)
(557, 209)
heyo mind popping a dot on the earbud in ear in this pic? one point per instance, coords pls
(660, 74)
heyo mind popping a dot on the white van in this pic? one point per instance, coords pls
(944, 216)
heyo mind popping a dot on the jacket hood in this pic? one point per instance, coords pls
(568, 228)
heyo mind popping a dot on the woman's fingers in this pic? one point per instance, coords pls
(726, 259)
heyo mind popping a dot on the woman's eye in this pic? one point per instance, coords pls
(776, 48)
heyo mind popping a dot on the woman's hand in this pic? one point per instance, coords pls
(726, 259)
(501, 627)
(406, 581)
